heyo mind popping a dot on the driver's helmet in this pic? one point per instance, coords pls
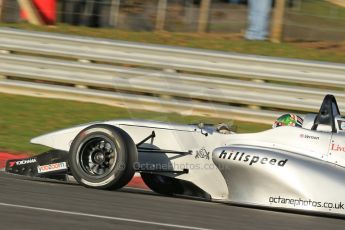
(288, 119)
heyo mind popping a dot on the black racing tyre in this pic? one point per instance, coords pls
(103, 157)
(162, 184)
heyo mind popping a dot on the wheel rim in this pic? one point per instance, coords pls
(97, 156)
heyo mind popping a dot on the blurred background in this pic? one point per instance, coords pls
(302, 19)
(66, 62)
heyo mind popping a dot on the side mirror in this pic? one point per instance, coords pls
(341, 125)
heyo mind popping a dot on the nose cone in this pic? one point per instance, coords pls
(43, 140)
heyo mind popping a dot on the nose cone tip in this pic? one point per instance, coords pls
(42, 140)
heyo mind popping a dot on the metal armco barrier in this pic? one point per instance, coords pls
(163, 78)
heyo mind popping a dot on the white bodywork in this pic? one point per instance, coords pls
(202, 171)
(314, 167)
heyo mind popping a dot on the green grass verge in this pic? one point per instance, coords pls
(22, 118)
(322, 8)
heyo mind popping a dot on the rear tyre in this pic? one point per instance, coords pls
(103, 157)
(162, 184)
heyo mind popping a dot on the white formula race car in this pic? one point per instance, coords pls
(298, 168)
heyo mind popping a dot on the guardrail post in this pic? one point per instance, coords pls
(84, 61)
(81, 86)
(170, 70)
(204, 15)
(32, 13)
(114, 13)
(277, 22)
(256, 107)
(5, 52)
(161, 14)
(2, 6)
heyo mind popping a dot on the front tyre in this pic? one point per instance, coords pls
(103, 157)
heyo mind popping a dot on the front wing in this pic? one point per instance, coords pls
(52, 164)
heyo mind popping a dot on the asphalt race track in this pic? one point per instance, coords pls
(27, 204)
